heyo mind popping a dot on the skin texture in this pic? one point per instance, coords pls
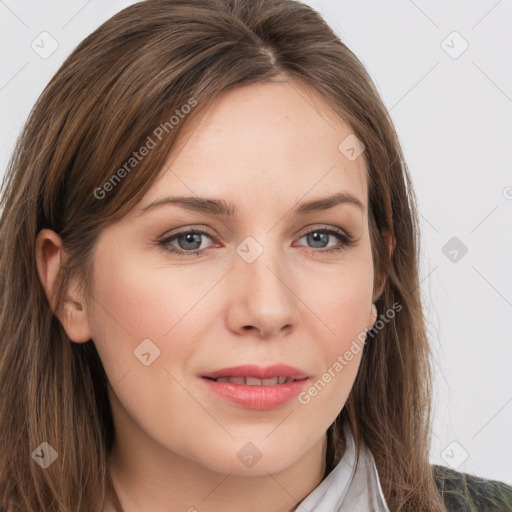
(265, 148)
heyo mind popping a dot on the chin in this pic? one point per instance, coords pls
(248, 463)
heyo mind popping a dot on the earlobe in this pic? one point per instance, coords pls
(73, 314)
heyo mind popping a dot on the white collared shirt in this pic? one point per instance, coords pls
(348, 488)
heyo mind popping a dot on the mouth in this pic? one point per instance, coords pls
(255, 387)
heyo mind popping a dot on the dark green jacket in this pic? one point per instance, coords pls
(463, 492)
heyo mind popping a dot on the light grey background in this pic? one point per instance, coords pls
(453, 114)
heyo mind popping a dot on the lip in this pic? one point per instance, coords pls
(257, 397)
(259, 372)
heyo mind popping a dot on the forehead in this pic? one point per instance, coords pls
(265, 141)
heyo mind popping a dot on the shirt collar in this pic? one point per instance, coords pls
(349, 486)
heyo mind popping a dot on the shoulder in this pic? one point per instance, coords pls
(463, 492)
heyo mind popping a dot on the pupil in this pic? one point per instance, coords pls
(317, 237)
(189, 238)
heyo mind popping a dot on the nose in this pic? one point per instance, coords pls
(262, 299)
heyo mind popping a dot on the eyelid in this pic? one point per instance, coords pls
(324, 227)
(188, 229)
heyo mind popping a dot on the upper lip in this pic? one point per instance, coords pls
(259, 372)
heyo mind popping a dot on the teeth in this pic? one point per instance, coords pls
(252, 381)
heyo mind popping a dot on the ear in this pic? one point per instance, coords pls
(391, 246)
(372, 316)
(73, 315)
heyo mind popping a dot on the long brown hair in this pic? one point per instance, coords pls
(122, 82)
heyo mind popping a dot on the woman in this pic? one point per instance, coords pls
(211, 300)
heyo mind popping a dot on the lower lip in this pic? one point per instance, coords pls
(256, 397)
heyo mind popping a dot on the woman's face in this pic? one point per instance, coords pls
(258, 289)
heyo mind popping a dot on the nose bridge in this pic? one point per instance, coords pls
(260, 261)
(262, 275)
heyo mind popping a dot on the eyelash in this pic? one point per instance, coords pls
(346, 241)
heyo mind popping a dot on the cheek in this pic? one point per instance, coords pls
(341, 304)
(133, 303)
(339, 349)
(146, 329)
(341, 298)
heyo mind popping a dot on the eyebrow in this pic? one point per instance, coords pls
(226, 208)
